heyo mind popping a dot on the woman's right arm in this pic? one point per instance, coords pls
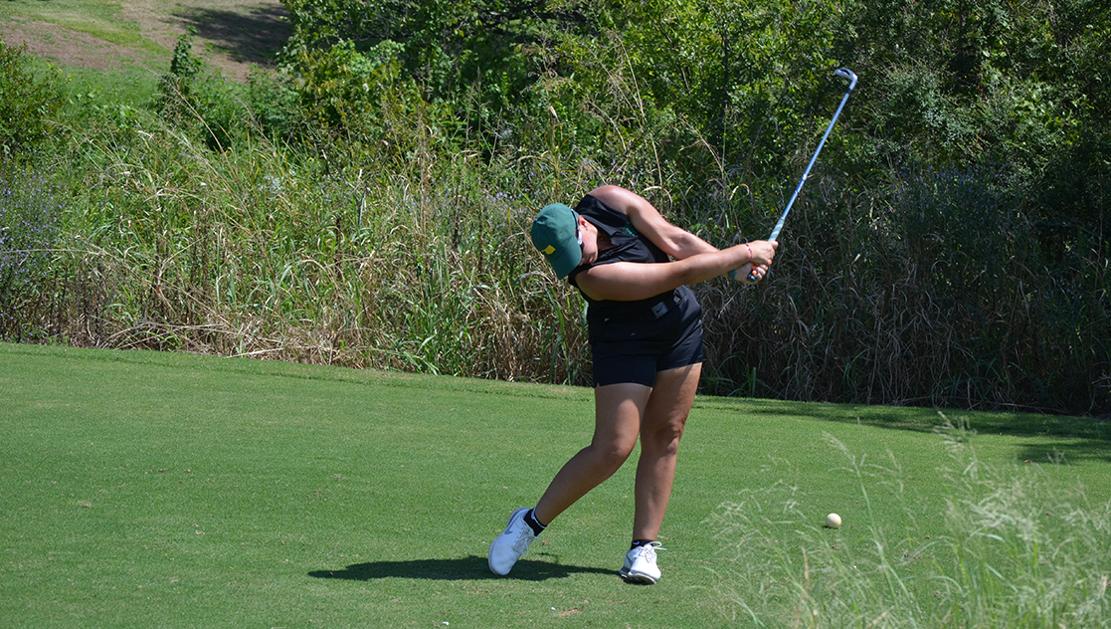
(631, 281)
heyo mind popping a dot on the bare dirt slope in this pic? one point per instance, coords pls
(237, 33)
(67, 46)
(233, 35)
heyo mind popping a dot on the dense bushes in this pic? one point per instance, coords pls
(29, 102)
(192, 97)
(367, 205)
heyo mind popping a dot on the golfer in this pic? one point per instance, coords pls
(645, 331)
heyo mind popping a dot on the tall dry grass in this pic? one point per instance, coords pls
(396, 260)
(1008, 548)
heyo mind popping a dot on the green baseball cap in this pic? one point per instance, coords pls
(555, 233)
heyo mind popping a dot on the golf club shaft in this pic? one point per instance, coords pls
(841, 72)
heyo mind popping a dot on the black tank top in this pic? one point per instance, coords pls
(628, 245)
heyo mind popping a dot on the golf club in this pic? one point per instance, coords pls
(844, 73)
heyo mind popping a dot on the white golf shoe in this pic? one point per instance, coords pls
(511, 545)
(640, 565)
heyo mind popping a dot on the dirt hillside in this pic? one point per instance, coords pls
(232, 35)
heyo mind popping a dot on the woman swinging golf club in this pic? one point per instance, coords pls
(645, 330)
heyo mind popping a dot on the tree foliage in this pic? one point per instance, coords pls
(967, 181)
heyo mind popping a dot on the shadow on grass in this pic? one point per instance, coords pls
(472, 568)
(254, 36)
(1066, 452)
(1061, 439)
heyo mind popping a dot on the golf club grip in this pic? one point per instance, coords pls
(752, 274)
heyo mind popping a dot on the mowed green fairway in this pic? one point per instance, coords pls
(141, 488)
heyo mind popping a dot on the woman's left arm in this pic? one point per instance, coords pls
(674, 241)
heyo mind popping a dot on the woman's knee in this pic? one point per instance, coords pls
(611, 454)
(664, 438)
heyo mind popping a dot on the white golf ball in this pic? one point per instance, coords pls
(833, 521)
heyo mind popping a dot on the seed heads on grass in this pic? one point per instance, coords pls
(1006, 549)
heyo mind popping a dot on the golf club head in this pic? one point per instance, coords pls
(848, 75)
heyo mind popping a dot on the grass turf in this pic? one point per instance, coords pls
(146, 488)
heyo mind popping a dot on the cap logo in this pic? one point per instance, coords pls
(549, 250)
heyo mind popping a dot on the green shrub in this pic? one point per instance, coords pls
(193, 96)
(273, 103)
(341, 88)
(29, 101)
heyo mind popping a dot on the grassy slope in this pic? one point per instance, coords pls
(135, 61)
(100, 19)
(128, 58)
(143, 488)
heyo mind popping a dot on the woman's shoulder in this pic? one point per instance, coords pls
(611, 197)
(600, 204)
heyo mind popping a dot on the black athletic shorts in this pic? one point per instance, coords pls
(635, 348)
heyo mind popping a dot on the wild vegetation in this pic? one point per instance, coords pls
(367, 204)
(1007, 549)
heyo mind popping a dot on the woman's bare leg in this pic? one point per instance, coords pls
(664, 419)
(618, 409)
